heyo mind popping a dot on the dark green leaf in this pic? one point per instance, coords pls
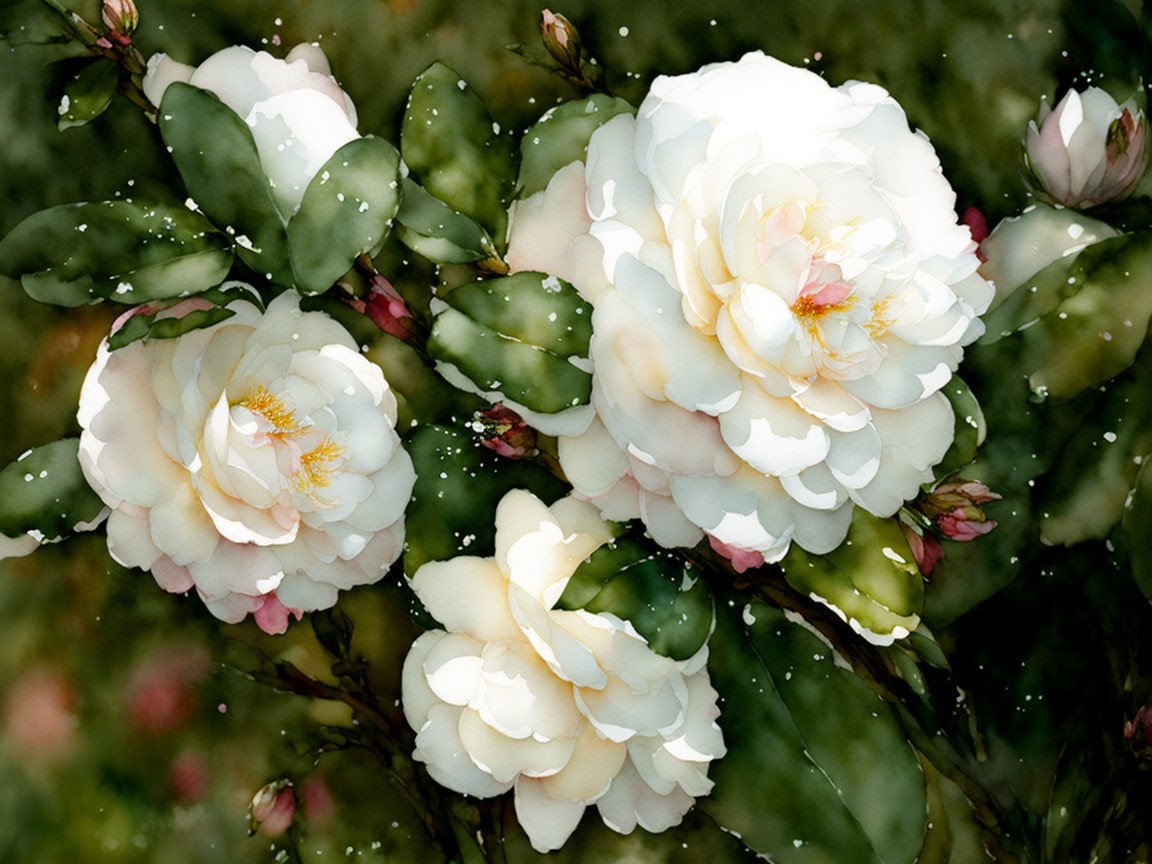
(118, 250)
(30, 22)
(1083, 496)
(817, 769)
(1095, 333)
(431, 228)
(145, 327)
(88, 94)
(514, 336)
(1138, 524)
(45, 491)
(871, 577)
(346, 210)
(664, 597)
(449, 141)
(970, 428)
(218, 161)
(458, 485)
(561, 137)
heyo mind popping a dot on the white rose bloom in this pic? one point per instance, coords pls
(297, 112)
(568, 708)
(255, 461)
(781, 289)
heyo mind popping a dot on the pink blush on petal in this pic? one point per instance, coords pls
(272, 616)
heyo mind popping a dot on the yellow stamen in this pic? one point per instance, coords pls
(809, 312)
(317, 466)
(272, 408)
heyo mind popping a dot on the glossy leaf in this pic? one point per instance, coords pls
(561, 137)
(454, 149)
(515, 336)
(218, 161)
(664, 597)
(44, 491)
(30, 22)
(88, 93)
(431, 228)
(871, 577)
(1094, 334)
(458, 485)
(123, 251)
(347, 209)
(970, 428)
(1083, 496)
(817, 769)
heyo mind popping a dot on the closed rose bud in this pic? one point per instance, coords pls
(120, 17)
(272, 809)
(965, 523)
(949, 496)
(503, 430)
(925, 550)
(561, 39)
(1086, 151)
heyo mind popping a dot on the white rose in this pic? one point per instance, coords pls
(1086, 151)
(255, 461)
(781, 290)
(568, 708)
(297, 112)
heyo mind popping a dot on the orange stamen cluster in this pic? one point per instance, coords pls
(272, 408)
(317, 466)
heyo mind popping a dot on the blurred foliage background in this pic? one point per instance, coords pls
(122, 736)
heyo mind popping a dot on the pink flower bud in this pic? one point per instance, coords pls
(387, 310)
(963, 493)
(561, 39)
(503, 430)
(1086, 151)
(121, 18)
(272, 808)
(925, 550)
(742, 559)
(965, 523)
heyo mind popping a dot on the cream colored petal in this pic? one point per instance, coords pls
(630, 802)
(438, 745)
(547, 821)
(590, 771)
(503, 757)
(467, 595)
(416, 696)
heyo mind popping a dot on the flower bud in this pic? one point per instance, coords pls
(965, 523)
(503, 430)
(949, 496)
(121, 18)
(1086, 151)
(561, 39)
(1138, 730)
(272, 809)
(925, 549)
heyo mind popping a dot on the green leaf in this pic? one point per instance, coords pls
(561, 137)
(145, 327)
(1138, 525)
(218, 161)
(449, 141)
(1095, 333)
(871, 577)
(663, 596)
(30, 22)
(431, 228)
(970, 428)
(88, 93)
(817, 769)
(1083, 496)
(124, 251)
(346, 210)
(45, 491)
(458, 485)
(514, 336)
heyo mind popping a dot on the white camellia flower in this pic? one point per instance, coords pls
(781, 290)
(1087, 150)
(567, 707)
(297, 112)
(255, 460)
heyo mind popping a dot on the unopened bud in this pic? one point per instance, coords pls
(272, 809)
(1087, 150)
(561, 39)
(1138, 730)
(964, 493)
(503, 430)
(925, 550)
(121, 18)
(965, 523)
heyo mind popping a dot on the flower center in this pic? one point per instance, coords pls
(272, 408)
(317, 467)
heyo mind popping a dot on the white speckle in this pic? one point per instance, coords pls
(363, 208)
(82, 227)
(1074, 231)
(278, 22)
(28, 478)
(64, 103)
(551, 316)
(339, 196)
(495, 128)
(1110, 437)
(123, 287)
(461, 84)
(350, 390)
(551, 284)
(623, 31)
(23, 455)
(892, 555)
(749, 618)
(191, 204)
